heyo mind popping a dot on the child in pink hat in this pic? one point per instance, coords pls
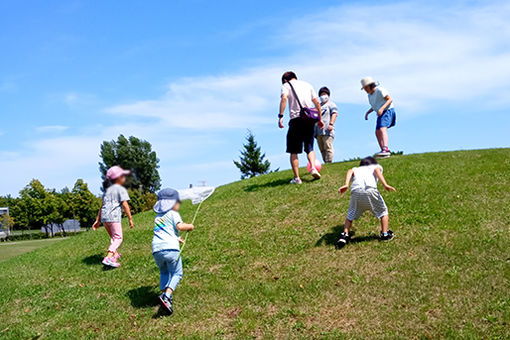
(115, 198)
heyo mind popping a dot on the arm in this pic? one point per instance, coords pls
(318, 107)
(348, 178)
(383, 108)
(368, 112)
(185, 226)
(125, 205)
(283, 104)
(332, 121)
(97, 222)
(380, 177)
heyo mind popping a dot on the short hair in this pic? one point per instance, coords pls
(288, 76)
(368, 161)
(325, 90)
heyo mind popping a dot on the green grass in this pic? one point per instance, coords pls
(261, 264)
(11, 249)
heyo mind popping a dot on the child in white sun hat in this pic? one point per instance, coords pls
(165, 244)
(381, 103)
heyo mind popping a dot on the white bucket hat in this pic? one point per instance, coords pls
(367, 81)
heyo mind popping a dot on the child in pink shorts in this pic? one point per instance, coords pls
(115, 198)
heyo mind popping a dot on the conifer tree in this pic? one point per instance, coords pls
(251, 162)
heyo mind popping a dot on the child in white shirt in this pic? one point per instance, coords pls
(382, 104)
(365, 196)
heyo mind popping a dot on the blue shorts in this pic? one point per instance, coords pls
(387, 120)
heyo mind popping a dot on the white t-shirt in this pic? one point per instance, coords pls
(364, 177)
(306, 95)
(166, 234)
(377, 100)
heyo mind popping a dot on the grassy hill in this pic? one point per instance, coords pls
(262, 264)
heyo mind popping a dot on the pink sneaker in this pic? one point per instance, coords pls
(111, 262)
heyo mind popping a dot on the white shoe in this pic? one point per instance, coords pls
(315, 173)
(296, 181)
(383, 154)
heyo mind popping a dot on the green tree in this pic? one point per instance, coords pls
(136, 155)
(55, 211)
(29, 211)
(83, 205)
(6, 222)
(251, 162)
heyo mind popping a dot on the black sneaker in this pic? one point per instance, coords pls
(343, 240)
(166, 303)
(387, 237)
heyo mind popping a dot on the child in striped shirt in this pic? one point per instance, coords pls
(365, 196)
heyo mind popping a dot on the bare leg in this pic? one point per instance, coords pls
(347, 226)
(378, 134)
(384, 223)
(168, 290)
(294, 162)
(311, 158)
(384, 137)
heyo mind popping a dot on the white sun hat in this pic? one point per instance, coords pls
(367, 81)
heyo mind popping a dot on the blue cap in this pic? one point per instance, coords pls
(166, 200)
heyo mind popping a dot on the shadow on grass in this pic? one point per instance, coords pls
(147, 297)
(93, 260)
(277, 183)
(255, 187)
(330, 239)
(143, 297)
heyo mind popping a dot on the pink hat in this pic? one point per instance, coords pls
(115, 172)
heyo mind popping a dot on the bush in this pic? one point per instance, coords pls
(38, 236)
(150, 199)
(141, 202)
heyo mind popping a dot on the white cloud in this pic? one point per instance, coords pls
(51, 128)
(422, 52)
(222, 102)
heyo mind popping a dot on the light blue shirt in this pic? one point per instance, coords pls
(166, 234)
(377, 100)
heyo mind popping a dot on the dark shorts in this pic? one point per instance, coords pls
(300, 134)
(387, 120)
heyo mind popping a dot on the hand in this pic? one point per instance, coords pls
(330, 127)
(320, 124)
(280, 123)
(380, 112)
(131, 225)
(389, 188)
(366, 115)
(191, 227)
(96, 225)
(343, 189)
(181, 240)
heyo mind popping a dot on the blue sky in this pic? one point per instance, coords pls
(191, 77)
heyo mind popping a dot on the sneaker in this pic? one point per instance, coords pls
(315, 173)
(343, 240)
(385, 152)
(111, 262)
(166, 302)
(387, 237)
(296, 181)
(117, 256)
